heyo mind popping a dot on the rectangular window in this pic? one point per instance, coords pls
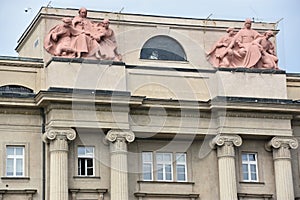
(181, 166)
(164, 166)
(15, 161)
(147, 166)
(249, 167)
(86, 161)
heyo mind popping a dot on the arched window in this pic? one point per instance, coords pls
(15, 89)
(162, 48)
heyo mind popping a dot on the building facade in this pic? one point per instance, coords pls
(160, 124)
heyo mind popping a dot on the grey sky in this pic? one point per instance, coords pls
(14, 19)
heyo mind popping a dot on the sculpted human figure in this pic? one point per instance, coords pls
(58, 41)
(107, 49)
(80, 37)
(247, 53)
(85, 42)
(218, 50)
(268, 55)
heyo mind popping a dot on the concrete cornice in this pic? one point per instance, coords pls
(21, 62)
(68, 95)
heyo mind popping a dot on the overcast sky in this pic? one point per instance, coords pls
(14, 19)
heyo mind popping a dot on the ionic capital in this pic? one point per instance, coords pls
(222, 139)
(113, 135)
(53, 133)
(278, 141)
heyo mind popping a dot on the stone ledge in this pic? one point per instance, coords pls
(169, 195)
(24, 191)
(247, 195)
(15, 178)
(82, 60)
(86, 177)
(77, 190)
(252, 70)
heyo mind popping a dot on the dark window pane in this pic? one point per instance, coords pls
(147, 174)
(245, 168)
(81, 166)
(90, 171)
(81, 151)
(253, 176)
(180, 169)
(245, 176)
(168, 176)
(89, 162)
(160, 172)
(252, 157)
(181, 177)
(253, 168)
(163, 48)
(168, 168)
(244, 157)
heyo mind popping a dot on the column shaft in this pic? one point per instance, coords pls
(58, 139)
(283, 174)
(282, 165)
(59, 169)
(227, 176)
(226, 162)
(119, 176)
(119, 168)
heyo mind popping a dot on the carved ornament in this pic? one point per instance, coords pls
(53, 133)
(277, 142)
(112, 135)
(221, 139)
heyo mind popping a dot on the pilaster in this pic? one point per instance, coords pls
(282, 165)
(58, 139)
(119, 170)
(226, 161)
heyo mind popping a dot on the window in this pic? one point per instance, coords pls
(164, 167)
(181, 166)
(15, 161)
(85, 161)
(162, 47)
(147, 166)
(249, 167)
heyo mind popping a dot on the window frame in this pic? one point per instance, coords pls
(148, 163)
(159, 48)
(85, 157)
(173, 163)
(15, 157)
(181, 163)
(248, 162)
(164, 163)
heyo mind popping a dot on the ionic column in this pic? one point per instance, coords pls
(58, 139)
(282, 165)
(227, 174)
(119, 171)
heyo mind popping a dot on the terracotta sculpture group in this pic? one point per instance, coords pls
(246, 48)
(79, 37)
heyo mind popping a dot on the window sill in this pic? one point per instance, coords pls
(252, 183)
(86, 177)
(15, 178)
(169, 182)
